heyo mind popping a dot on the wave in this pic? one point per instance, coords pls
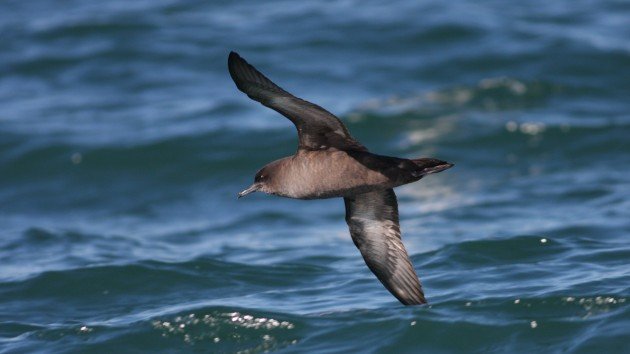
(542, 323)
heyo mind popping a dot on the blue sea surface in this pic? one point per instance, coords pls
(123, 144)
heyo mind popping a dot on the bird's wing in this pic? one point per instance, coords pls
(317, 128)
(373, 221)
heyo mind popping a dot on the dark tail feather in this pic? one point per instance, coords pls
(428, 166)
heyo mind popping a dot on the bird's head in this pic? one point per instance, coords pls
(262, 182)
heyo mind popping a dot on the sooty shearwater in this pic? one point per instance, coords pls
(330, 163)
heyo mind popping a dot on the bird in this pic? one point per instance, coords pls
(330, 163)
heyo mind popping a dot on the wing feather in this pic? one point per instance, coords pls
(317, 128)
(374, 227)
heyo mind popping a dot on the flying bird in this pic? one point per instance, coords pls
(330, 163)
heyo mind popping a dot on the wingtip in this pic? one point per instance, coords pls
(416, 301)
(233, 57)
(411, 297)
(249, 80)
(235, 67)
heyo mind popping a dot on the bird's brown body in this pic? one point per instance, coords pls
(336, 173)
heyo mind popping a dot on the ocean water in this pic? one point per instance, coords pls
(123, 143)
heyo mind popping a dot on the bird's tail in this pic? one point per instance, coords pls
(427, 166)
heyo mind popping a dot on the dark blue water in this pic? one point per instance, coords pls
(123, 143)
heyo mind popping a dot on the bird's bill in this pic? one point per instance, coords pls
(251, 189)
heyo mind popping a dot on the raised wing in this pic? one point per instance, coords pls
(317, 128)
(373, 221)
